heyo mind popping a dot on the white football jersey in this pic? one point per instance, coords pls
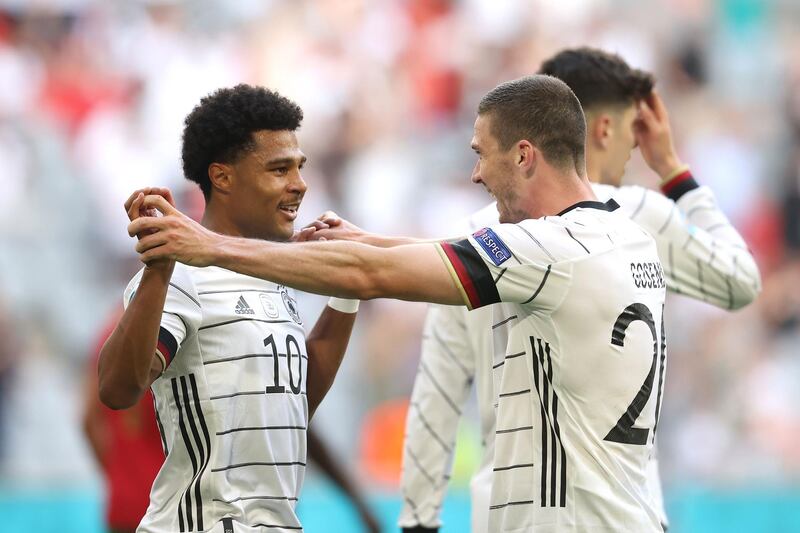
(704, 257)
(583, 369)
(231, 405)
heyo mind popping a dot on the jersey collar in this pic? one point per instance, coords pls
(610, 205)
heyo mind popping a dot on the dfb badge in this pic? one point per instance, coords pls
(291, 305)
(269, 306)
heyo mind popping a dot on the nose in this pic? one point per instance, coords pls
(298, 184)
(476, 173)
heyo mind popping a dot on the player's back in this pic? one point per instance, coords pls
(581, 379)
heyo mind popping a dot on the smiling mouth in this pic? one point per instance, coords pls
(290, 209)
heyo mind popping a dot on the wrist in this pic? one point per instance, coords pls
(669, 168)
(343, 305)
(162, 268)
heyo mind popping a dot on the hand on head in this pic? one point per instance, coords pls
(654, 135)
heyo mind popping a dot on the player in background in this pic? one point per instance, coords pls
(584, 364)
(704, 257)
(127, 446)
(234, 376)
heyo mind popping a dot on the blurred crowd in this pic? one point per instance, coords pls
(92, 99)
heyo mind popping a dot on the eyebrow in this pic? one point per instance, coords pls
(285, 161)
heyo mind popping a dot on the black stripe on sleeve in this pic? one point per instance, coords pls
(167, 340)
(477, 271)
(687, 185)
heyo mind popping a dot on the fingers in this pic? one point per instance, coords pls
(151, 241)
(159, 202)
(304, 234)
(147, 225)
(133, 197)
(646, 114)
(656, 103)
(317, 225)
(164, 193)
(133, 205)
(330, 218)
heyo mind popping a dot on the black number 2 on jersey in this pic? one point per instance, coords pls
(624, 431)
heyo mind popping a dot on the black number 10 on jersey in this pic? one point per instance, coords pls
(292, 353)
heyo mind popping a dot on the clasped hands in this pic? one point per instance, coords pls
(166, 235)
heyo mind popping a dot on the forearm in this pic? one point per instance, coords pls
(709, 242)
(127, 363)
(326, 345)
(344, 269)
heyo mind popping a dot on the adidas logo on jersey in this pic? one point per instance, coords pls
(242, 308)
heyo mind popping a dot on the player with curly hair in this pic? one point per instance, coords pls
(234, 377)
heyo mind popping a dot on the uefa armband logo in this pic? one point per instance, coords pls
(494, 247)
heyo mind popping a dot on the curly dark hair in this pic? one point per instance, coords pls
(543, 110)
(220, 128)
(598, 78)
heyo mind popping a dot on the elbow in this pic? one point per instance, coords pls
(117, 397)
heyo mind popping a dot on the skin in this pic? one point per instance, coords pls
(350, 269)
(256, 197)
(614, 131)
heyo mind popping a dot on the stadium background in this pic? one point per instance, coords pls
(92, 97)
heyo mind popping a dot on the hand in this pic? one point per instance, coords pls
(654, 136)
(338, 228)
(173, 236)
(134, 213)
(309, 232)
(134, 206)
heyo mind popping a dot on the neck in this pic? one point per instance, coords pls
(214, 218)
(593, 171)
(556, 193)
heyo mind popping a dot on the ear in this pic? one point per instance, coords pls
(221, 176)
(601, 129)
(527, 157)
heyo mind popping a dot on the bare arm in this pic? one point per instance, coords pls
(128, 362)
(412, 272)
(326, 345)
(94, 427)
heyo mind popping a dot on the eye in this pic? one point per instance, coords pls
(281, 171)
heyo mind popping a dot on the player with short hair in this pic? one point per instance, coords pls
(704, 258)
(583, 365)
(234, 376)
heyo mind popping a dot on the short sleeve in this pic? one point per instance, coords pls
(181, 316)
(504, 263)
